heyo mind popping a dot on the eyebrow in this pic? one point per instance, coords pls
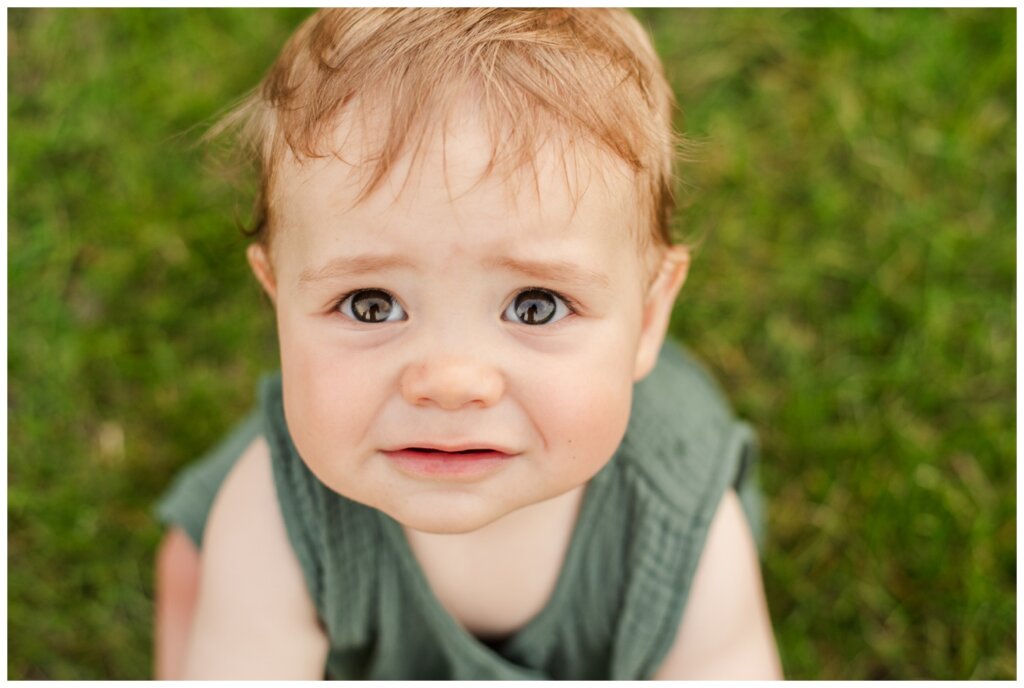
(346, 266)
(562, 271)
(556, 270)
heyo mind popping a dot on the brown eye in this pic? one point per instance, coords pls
(534, 307)
(371, 306)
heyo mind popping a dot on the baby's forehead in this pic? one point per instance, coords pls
(452, 196)
(459, 157)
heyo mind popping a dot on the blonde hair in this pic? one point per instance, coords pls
(591, 74)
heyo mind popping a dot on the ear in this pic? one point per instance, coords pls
(259, 261)
(661, 296)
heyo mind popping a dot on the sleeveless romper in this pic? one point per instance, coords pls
(624, 582)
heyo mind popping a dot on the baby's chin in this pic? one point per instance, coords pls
(451, 515)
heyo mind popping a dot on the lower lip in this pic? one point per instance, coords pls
(442, 464)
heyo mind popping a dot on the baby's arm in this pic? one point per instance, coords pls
(725, 632)
(177, 587)
(255, 619)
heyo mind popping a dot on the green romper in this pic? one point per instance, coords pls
(619, 597)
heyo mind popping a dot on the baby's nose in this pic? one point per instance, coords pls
(452, 383)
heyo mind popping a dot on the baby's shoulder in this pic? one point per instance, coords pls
(188, 501)
(246, 495)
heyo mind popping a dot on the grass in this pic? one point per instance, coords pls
(853, 201)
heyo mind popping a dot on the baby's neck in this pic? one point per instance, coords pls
(495, 579)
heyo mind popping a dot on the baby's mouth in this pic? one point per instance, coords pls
(427, 450)
(427, 453)
(466, 461)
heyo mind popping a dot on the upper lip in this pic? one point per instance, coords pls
(452, 448)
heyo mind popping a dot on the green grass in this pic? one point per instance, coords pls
(853, 201)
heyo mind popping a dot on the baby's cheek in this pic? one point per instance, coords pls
(586, 424)
(327, 416)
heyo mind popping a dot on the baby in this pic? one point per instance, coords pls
(458, 473)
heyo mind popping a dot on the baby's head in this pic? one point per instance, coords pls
(464, 229)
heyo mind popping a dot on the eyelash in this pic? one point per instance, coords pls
(570, 304)
(573, 307)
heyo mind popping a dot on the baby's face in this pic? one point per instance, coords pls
(452, 351)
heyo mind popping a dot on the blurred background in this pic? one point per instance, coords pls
(852, 198)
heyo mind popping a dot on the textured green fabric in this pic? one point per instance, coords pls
(622, 589)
